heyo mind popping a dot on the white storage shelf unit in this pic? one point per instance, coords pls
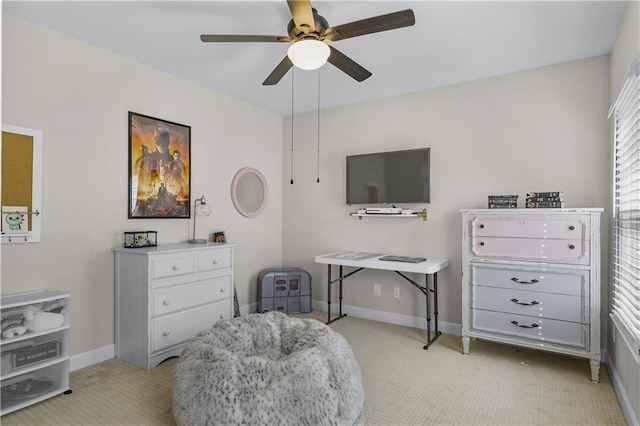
(34, 365)
(531, 277)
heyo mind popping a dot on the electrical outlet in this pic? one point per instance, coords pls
(377, 289)
(396, 292)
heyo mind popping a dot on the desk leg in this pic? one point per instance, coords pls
(428, 302)
(435, 303)
(437, 333)
(329, 294)
(329, 283)
(340, 293)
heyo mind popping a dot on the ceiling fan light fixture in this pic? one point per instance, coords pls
(308, 54)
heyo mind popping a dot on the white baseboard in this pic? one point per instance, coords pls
(390, 318)
(370, 314)
(95, 356)
(623, 398)
(248, 309)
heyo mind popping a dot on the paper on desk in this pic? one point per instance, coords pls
(352, 255)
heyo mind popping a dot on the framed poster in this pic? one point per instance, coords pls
(159, 168)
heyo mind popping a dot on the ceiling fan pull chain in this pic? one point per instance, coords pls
(318, 165)
(292, 74)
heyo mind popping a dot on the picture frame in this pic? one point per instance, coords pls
(15, 219)
(219, 237)
(159, 168)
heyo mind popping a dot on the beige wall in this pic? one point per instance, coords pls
(79, 96)
(538, 130)
(543, 129)
(624, 364)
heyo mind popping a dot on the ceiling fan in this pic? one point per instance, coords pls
(308, 26)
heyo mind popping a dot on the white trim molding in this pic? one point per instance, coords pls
(87, 359)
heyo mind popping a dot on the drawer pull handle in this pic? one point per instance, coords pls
(517, 280)
(165, 333)
(175, 267)
(222, 290)
(165, 302)
(571, 246)
(481, 243)
(524, 326)
(215, 261)
(571, 228)
(221, 316)
(533, 303)
(481, 226)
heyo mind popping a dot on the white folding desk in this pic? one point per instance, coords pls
(362, 260)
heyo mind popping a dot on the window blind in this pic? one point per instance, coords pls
(626, 207)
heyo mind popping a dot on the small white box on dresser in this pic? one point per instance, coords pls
(166, 294)
(531, 277)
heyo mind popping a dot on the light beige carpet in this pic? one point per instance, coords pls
(404, 385)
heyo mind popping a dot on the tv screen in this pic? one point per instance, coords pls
(389, 177)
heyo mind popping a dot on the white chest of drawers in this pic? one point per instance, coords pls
(531, 277)
(166, 294)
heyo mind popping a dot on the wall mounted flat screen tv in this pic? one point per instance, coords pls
(394, 177)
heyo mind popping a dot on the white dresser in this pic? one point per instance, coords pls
(531, 277)
(166, 294)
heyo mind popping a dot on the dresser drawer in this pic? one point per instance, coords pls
(172, 267)
(531, 249)
(559, 281)
(541, 305)
(570, 227)
(177, 328)
(179, 297)
(211, 261)
(531, 328)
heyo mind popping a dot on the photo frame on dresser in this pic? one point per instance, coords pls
(159, 168)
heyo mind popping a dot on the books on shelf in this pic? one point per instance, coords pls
(502, 201)
(552, 194)
(544, 204)
(545, 200)
(534, 200)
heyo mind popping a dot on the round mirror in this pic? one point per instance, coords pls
(249, 192)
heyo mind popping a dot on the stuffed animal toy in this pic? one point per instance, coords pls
(12, 326)
(37, 320)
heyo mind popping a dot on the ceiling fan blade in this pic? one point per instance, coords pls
(230, 38)
(279, 71)
(348, 65)
(302, 14)
(390, 21)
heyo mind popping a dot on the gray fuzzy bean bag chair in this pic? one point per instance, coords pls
(268, 369)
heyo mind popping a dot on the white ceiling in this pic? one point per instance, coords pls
(451, 42)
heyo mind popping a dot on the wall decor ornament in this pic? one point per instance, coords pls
(249, 192)
(219, 237)
(159, 168)
(137, 239)
(15, 219)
